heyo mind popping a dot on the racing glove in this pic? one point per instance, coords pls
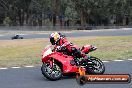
(58, 48)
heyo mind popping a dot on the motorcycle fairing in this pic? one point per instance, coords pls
(64, 59)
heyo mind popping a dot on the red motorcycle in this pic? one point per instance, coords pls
(59, 62)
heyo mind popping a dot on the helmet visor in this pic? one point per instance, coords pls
(52, 41)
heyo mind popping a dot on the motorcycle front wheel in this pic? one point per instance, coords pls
(53, 73)
(96, 68)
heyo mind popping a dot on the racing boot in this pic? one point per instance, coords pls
(84, 55)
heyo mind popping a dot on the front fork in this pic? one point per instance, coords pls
(52, 62)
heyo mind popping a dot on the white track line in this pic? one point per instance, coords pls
(1, 35)
(129, 59)
(3, 68)
(34, 66)
(29, 66)
(105, 61)
(118, 60)
(15, 67)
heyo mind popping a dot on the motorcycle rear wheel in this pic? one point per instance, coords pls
(98, 68)
(50, 73)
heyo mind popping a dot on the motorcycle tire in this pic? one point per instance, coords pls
(91, 70)
(43, 69)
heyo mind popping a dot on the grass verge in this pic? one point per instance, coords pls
(28, 52)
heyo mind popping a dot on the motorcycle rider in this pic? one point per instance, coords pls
(61, 41)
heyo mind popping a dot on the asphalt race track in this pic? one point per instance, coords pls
(32, 77)
(75, 34)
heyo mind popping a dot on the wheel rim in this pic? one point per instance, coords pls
(53, 72)
(98, 67)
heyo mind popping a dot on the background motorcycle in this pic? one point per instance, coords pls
(58, 62)
(16, 37)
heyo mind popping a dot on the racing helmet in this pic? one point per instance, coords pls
(54, 38)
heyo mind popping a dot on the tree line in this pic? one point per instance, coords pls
(65, 12)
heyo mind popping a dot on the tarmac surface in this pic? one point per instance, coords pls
(74, 34)
(32, 77)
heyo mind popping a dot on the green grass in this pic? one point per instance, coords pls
(28, 52)
(110, 48)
